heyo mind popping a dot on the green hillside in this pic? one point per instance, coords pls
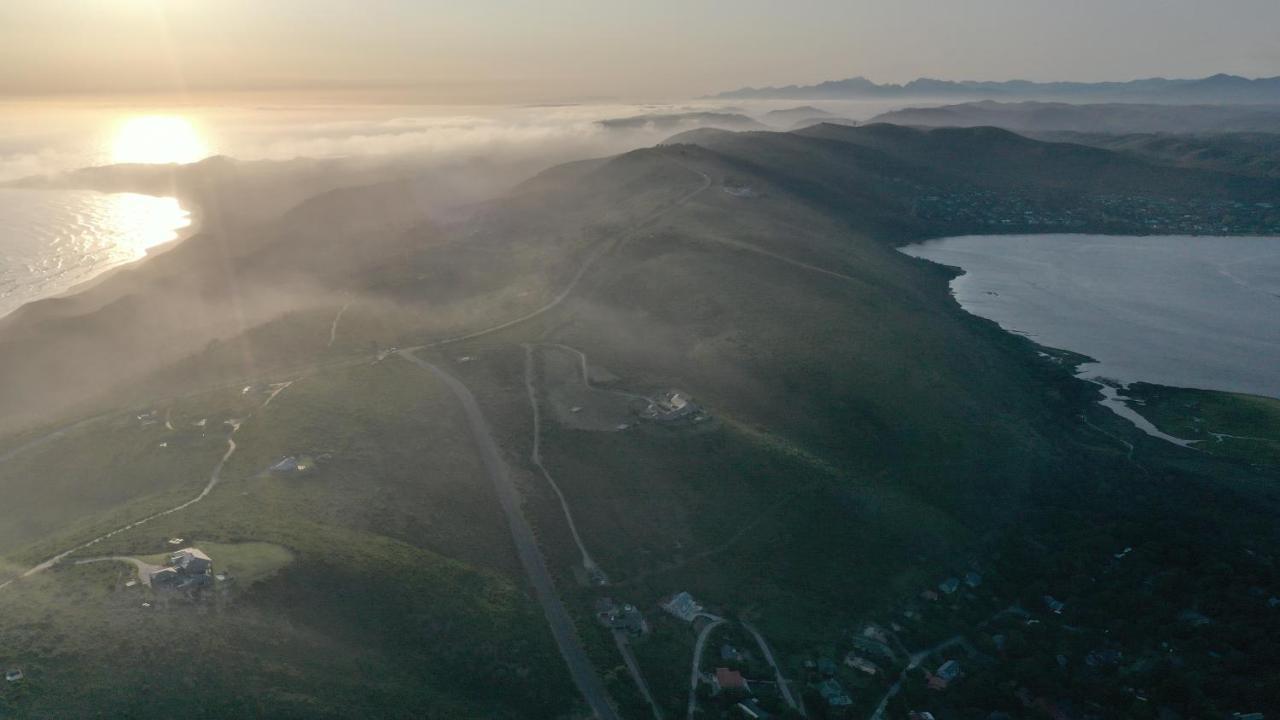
(858, 437)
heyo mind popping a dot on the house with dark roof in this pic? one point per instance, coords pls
(188, 568)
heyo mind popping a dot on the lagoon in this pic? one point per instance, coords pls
(1195, 312)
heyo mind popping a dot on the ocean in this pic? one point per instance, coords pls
(53, 240)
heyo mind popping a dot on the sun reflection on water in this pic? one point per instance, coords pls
(137, 223)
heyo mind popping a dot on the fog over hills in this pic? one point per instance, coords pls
(856, 434)
(1219, 88)
(1093, 118)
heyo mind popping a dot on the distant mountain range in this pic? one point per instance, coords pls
(1214, 89)
(1092, 118)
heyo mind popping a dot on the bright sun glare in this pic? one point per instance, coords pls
(157, 139)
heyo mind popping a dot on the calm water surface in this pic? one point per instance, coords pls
(52, 240)
(1198, 312)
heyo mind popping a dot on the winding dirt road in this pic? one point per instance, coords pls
(208, 488)
(596, 254)
(697, 661)
(535, 456)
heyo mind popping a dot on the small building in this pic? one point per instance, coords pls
(670, 405)
(624, 617)
(827, 667)
(875, 633)
(191, 561)
(949, 585)
(165, 578)
(857, 662)
(726, 679)
(683, 606)
(947, 673)
(874, 647)
(729, 653)
(972, 579)
(833, 694)
(1053, 604)
(285, 466)
(13, 675)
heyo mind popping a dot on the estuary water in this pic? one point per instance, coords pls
(53, 240)
(1196, 312)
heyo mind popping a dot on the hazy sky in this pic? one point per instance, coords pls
(488, 50)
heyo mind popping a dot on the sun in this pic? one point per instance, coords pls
(157, 139)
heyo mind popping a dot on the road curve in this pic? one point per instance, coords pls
(777, 671)
(697, 660)
(595, 255)
(535, 565)
(633, 667)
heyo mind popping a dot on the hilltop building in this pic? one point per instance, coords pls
(188, 569)
(683, 606)
(670, 405)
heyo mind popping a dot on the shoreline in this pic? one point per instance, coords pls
(1088, 369)
(182, 234)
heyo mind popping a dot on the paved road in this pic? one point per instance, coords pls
(628, 657)
(915, 660)
(535, 565)
(697, 661)
(777, 671)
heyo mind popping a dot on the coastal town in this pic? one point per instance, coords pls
(976, 210)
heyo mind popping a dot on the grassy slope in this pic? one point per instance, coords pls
(399, 601)
(869, 432)
(1243, 427)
